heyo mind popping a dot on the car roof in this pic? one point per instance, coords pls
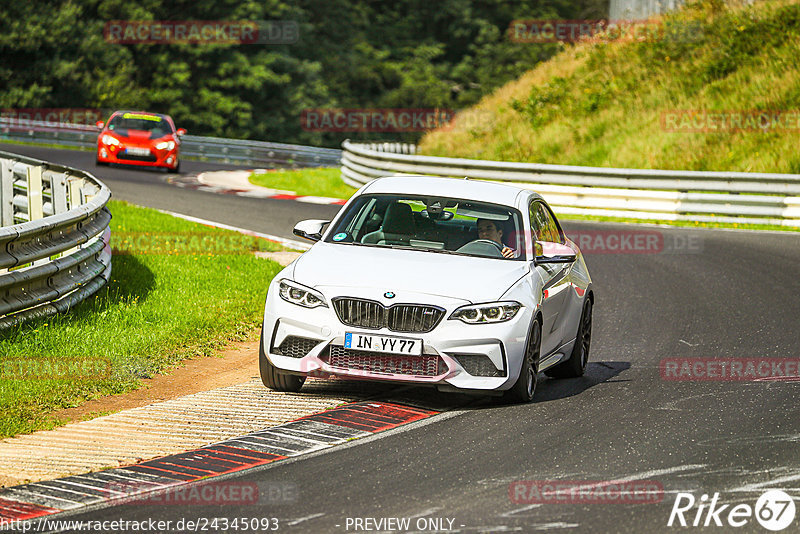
(491, 192)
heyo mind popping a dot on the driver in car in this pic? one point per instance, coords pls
(493, 231)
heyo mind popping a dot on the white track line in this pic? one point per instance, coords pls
(282, 240)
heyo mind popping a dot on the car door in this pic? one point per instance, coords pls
(555, 279)
(573, 301)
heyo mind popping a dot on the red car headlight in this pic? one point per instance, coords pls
(165, 145)
(109, 140)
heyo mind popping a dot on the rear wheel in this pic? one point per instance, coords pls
(525, 387)
(272, 377)
(576, 364)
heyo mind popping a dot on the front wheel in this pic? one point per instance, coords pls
(272, 377)
(525, 387)
(576, 365)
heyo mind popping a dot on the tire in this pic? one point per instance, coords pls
(272, 377)
(176, 170)
(576, 364)
(101, 163)
(524, 388)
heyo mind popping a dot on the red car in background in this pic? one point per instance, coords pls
(139, 138)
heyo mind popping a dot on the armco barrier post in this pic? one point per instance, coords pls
(6, 192)
(58, 188)
(35, 199)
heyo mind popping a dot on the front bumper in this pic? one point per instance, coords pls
(455, 354)
(157, 158)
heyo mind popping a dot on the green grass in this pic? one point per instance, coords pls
(322, 182)
(601, 104)
(46, 145)
(158, 309)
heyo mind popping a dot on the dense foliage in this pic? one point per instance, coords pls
(350, 53)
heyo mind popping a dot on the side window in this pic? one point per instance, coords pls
(555, 229)
(543, 226)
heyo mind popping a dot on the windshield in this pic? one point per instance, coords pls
(157, 126)
(433, 224)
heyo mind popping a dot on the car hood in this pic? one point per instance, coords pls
(135, 136)
(407, 271)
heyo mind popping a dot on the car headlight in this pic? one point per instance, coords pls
(493, 312)
(108, 140)
(301, 295)
(165, 145)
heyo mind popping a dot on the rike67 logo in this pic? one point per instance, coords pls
(774, 510)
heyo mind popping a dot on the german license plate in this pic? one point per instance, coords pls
(388, 344)
(138, 151)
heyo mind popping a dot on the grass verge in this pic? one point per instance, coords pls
(180, 290)
(321, 182)
(609, 103)
(45, 145)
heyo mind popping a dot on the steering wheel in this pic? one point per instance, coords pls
(468, 246)
(490, 242)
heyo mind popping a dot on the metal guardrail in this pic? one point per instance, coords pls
(258, 152)
(54, 238)
(643, 9)
(215, 149)
(731, 197)
(640, 9)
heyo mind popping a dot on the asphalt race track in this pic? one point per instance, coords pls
(704, 294)
(148, 187)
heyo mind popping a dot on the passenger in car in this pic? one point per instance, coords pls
(493, 231)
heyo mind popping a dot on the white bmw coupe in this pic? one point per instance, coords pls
(467, 285)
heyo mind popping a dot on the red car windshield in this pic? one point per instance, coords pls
(154, 124)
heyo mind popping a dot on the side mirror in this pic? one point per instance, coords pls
(100, 124)
(547, 252)
(310, 229)
(181, 132)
